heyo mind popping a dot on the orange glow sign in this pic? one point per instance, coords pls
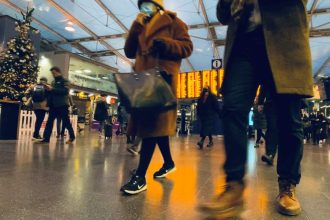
(190, 84)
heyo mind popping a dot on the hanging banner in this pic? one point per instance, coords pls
(191, 84)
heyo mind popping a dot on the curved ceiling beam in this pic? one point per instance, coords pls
(87, 30)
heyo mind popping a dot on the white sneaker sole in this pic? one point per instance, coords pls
(164, 175)
(135, 192)
(135, 153)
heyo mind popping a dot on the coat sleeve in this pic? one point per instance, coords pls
(132, 41)
(223, 11)
(63, 90)
(180, 46)
(262, 95)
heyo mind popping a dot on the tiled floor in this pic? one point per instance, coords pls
(82, 181)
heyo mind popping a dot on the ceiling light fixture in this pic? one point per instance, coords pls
(87, 71)
(78, 71)
(69, 28)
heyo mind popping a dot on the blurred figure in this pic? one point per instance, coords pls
(133, 148)
(323, 128)
(207, 110)
(38, 96)
(123, 117)
(58, 102)
(262, 47)
(157, 37)
(259, 122)
(60, 128)
(314, 127)
(307, 127)
(101, 112)
(269, 109)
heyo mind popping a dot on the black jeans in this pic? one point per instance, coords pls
(63, 113)
(40, 116)
(247, 68)
(60, 126)
(260, 134)
(147, 150)
(102, 123)
(272, 131)
(204, 137)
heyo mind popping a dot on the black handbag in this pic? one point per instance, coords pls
(146, 92)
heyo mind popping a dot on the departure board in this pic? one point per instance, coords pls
(190, 84)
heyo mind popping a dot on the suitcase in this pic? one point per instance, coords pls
(108, 131)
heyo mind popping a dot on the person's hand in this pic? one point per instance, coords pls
(158, 46)
(260, 108)
(48, 87)
(141, 18)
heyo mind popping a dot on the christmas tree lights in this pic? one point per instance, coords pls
(18, 62)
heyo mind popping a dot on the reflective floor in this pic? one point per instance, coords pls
(82, 181)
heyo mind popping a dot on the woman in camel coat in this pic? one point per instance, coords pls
(156, 33)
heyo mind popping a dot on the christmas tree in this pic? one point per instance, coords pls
(18, 62)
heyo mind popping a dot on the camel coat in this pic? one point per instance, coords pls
(174, 32)
(286, 31)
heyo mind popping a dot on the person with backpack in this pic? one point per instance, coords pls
(58, 102)
(38, 98)
(101, 113)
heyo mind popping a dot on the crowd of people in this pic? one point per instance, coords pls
(316, 127)
(262, 48)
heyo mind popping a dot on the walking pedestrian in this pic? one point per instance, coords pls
(101, 113)
(38, 96)
(207, 110)
(157, 37)
(262, 47)
(58, 102)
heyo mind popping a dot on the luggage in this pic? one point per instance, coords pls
(108, 130)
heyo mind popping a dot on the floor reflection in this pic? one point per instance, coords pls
(82, 181)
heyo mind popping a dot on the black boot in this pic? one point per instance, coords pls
(210, 144)
(200, 144)
(269, 159)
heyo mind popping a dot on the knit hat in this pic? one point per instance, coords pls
(159, 3)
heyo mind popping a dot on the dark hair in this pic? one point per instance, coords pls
(55, 68)
(43, 79)
(103, 95)
(205, 90)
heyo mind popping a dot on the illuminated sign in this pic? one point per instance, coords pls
(190, 84)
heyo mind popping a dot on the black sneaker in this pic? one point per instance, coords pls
(164, 171)
(70, 141)
(210, 144)
(133, 150)
(269, 159)
(37, 138)
(200, 145)
(135, 185)
(43, 141)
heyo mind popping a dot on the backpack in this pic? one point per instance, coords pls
(39, 93)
